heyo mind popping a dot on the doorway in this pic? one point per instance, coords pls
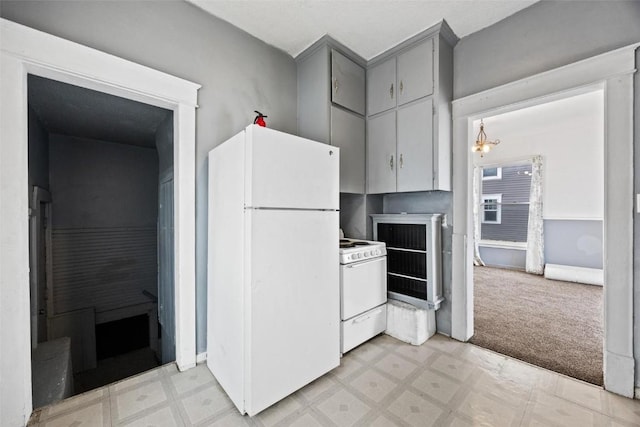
(27, 51)
(97, 165)
(541, 190)
(612, 72)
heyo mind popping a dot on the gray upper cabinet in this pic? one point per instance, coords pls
(331, 106)
(347, 132)
(415, 147)
(347, 83)
(381, 153)
(381, 87)
(411, 86)
(415, 72)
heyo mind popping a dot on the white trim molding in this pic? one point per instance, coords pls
(612, 73)
(24, 51)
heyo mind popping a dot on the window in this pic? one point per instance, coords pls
(491, 208)
(491, 173)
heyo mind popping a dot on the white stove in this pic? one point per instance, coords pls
(354, 250)
(363, 291)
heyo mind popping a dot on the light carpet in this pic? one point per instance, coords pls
(553, 324)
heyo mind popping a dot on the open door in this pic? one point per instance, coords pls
(166, 298)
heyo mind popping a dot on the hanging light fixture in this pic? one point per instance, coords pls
(482, 145)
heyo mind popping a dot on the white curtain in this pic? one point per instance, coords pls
(535, 231)
(477, 192)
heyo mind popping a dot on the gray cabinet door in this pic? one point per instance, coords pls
(381, 153)
(347, 83)
(415, 147)
(381, 87)
(347, 132)
(415, 72)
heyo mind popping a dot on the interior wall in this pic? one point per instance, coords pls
(238, 74)
(104, 215)
(569, 135)
(38, 153)
(546, 35)
(431, 202)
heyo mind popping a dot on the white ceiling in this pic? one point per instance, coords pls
(368, 27)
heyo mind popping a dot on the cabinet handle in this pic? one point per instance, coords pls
(391, 91)
(401, 87)
(391, 162)
(335, 85)
(401, 161)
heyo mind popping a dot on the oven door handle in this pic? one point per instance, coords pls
(361, 263)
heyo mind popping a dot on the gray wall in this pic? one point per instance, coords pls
(546, 35)
(503, 258)
(38, 153)
(238, 74)
(104, 212)
(431, 202)
(102, 184)
(577, 243)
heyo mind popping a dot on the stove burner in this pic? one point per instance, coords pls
(361, 243)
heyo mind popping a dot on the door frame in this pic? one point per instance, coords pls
(612, 72)
(38, 196)
(24, 51)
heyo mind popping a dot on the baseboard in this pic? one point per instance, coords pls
(201, 357)
(569, 273)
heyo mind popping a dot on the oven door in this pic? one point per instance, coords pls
(363, 285)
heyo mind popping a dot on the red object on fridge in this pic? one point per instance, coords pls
(259, 120)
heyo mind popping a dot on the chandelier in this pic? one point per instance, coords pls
(482, 145)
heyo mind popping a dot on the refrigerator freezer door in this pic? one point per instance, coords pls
(294, 324)
(287, 171)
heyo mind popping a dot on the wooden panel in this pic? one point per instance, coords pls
(105, 268)
(80, 326)
(381, 154)
(314, 96)
(415, 147)
(347, 83)
(415, 72)
(347, 132)
(381, 87)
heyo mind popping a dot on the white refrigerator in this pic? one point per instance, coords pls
(273, 303)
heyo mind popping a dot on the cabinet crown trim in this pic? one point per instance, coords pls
(332, 43)
(441, 29)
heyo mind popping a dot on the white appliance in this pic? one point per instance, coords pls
(273, 303)
(363, 289)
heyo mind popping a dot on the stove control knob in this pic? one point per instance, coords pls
(359, 255)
